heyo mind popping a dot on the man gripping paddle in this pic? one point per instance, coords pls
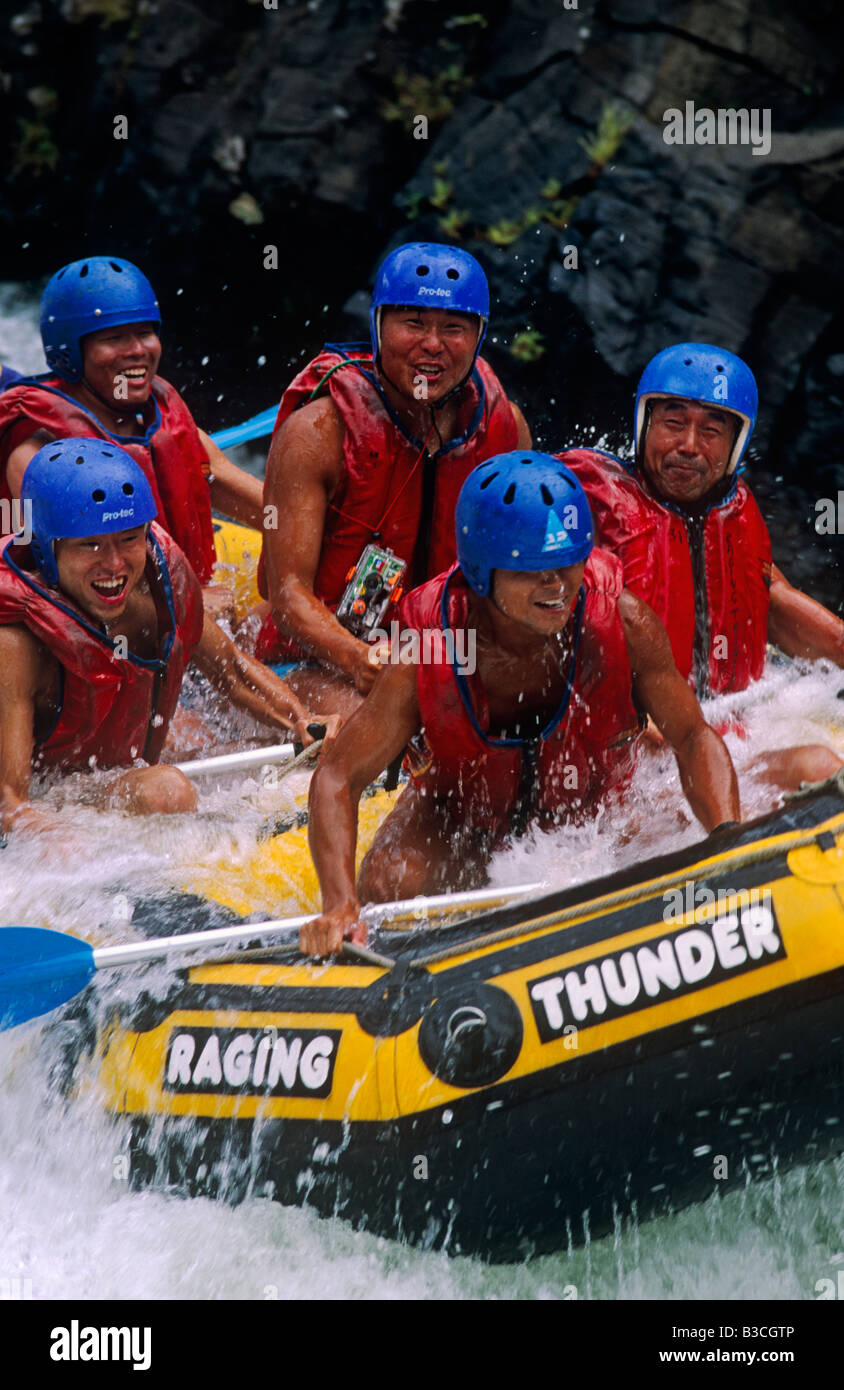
(543, 730)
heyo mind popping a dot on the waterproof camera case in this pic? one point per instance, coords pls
(371, 587)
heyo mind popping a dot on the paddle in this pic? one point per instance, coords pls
(253, 428)
(238, 762)
(41, 969)
(292, 753)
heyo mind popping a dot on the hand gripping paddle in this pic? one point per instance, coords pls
(41, 969)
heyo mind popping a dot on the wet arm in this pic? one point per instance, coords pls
(705, 766)
(376, 734)
(303, 470)
(19, 674)
(234, 492)
(525, 441)
(249, 684)
(801, 627)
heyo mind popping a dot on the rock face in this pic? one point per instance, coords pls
(542, 151)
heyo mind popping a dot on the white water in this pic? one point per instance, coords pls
(71, 1228)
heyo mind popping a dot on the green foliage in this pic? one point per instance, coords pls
(107, 11)
(36, 152)
(453, 223)
(458, 21)
(612, 128)
(441, 194)
(505, 232)
(246, 209)
(416, 94)
(412, 204)
(552, 189)
(560, 212)
(528, 346)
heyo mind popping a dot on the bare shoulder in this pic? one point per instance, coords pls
(20, 456)
(318, 424)
(647, 640)
(522, 426)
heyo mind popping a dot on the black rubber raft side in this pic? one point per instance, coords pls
(547, 1160)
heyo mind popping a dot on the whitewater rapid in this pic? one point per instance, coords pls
(71, 1227)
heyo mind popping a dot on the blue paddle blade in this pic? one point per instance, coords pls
(39, 970)
(250, 429)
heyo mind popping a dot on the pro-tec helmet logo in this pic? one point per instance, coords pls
(440, 291)
(719, 387)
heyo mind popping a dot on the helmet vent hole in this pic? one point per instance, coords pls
(546, 496)
(453, 274)
(115, 266)
(509, 494)
(527, 461)
(687, 361)
(491, 479)
(128, 489)
(98, 494)
(83, 272)
(719, 367)
(422, 270)
(80, 459)
(54, 457)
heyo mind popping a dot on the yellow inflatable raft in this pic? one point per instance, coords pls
(510, 1085)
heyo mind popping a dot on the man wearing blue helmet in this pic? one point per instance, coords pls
(568, 663)
(100, 322)
(100, 614)
(371, 447)
(692, 539)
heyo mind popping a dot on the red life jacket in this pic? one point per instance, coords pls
(583, 754)
(381, 490)
(707, 578)
(111, 709)
(169, 451)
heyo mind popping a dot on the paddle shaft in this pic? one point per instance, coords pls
(237, 762)
(407, 909)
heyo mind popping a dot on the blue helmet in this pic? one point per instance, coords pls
(81, 487)
(435, 277)
(701, 372)
(520, 511)
(97, 292)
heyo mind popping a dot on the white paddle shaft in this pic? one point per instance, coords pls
(107, 957)
(237, 762)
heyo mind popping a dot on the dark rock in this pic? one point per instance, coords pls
(288, 107)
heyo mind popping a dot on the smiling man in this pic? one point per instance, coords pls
(372, 448)
(99, 616)
(100, 322)
(692, 539)
(543, 731)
